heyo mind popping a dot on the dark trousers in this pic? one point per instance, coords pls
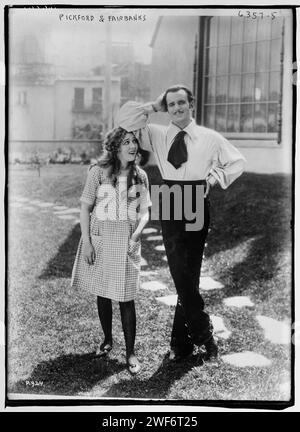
(184, 251)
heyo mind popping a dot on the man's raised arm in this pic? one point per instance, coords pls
(133, 117)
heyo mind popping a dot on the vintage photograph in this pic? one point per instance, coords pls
(150, 204)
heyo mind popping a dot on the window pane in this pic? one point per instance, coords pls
(211, 62)
(97, 94)
(276, 28)
(242, 80)
(236, 30)
(221, 118)
(212, 31)
(260, 118)
(272, 118)
(246, 118)
(275, 54)
(210, 90)
(221, 89)
(274, 86)
(261, 87)
(222, 63)
(247, 87)
(264, 28)
(250, 30)
(209, 116)
(263, 56)
(234, 94)
(224, 31)
(78, 97)
(235, 59)
(233, 118)
(249, 58)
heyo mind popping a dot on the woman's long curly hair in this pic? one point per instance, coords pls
(111, 161)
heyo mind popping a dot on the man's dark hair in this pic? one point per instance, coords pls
(173, 89)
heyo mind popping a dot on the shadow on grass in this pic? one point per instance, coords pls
(254, 216)
(61, 265)
(158, 385)
(258, 209)
(68, 375)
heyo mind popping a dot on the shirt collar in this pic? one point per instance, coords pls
(189, 129)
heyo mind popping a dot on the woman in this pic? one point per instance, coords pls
(114, 211)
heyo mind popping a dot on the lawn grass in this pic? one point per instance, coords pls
(54, 330)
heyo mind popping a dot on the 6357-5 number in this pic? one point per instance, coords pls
(257, 14)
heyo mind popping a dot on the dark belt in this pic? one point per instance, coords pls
(184, 182)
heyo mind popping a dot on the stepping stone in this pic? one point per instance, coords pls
(238, 301)
(149, 230)
(154, 238)
(207, 283)
(165, 258)
(147, 272)
(153, 286)
(60, 208)
(275, 331)
(20, 199)
(170, 300)
(143, 262)
(45, 205)
(68, 211)
(67, 217)
(30, 209)
(35, 202)
(219, 327)
(160, 248)
(285, 390)
(246, 359)
(76, 221)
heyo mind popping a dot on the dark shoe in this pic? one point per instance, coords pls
(176, 357)
(211, 350)
(103, 349)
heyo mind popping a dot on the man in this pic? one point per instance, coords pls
(186, 155)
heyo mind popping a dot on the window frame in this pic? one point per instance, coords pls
(273, 137)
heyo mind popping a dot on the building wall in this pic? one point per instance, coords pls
(64, 96)
(273, 157)
(33, 120)
(172, 62)
(173, 55)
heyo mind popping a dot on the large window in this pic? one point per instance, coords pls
(242, 75)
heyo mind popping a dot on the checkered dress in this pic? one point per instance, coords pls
(115, 272)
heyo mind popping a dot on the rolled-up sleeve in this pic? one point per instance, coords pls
(133, 118)
(228, 163)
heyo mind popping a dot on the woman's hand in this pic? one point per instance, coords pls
(135, 237)
(88, 252)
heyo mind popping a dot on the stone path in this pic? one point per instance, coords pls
(275, 331)
(38, 206)
(238, 301)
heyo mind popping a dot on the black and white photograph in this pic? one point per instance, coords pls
(150, 205)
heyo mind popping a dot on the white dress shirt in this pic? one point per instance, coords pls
(210, 155)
